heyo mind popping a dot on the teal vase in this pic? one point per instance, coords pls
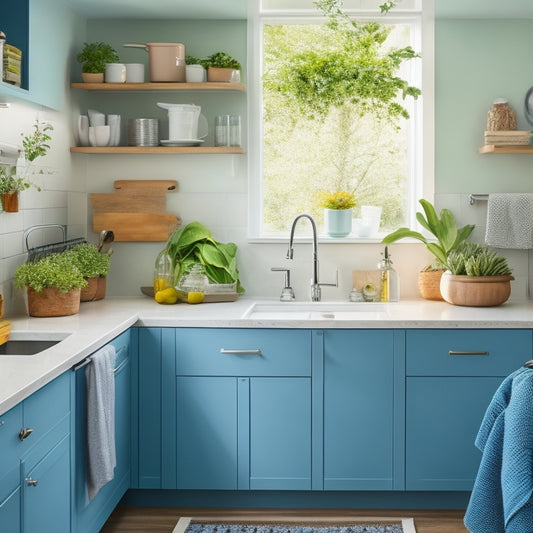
(338, 222)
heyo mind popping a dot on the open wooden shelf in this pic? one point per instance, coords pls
(161, 86)
(157, 149)
(510, 149)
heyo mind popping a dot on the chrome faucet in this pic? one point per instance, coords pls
(315, 285)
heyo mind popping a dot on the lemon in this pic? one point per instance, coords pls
(195, 297)
(160, 284)
(166, 296)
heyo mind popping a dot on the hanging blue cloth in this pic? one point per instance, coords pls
(501, 500)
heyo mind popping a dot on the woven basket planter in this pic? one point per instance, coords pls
(95, 289)
(429, 284)
(51, 302)
(475, 291)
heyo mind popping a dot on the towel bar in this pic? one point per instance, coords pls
(87, 360)
(478, 198)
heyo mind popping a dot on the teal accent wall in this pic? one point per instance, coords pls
(477, 61)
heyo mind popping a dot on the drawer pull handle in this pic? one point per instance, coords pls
(241, 352)
(31, 482)
(25, 433)
(454, 352)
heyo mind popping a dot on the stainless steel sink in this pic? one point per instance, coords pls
(28, 346)
(316, 311)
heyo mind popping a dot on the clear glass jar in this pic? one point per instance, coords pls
(192, 284)
(163, 272)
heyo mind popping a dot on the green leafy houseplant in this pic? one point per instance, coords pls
(221, 60)
(449, 237)
(336, 200)
(90, 262)
(36, 144)
(194, 243)
(53, 271)
(94, 56)
(358, 69)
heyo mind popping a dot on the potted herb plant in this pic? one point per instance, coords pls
(337, 212)
(93, 58)
(53, 285)
(94, 267)
(476, 276)
(13, 179)
(448, 236)
(222, 67)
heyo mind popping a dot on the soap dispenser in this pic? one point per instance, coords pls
(390, 282)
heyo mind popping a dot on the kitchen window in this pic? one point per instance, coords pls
(295, 153)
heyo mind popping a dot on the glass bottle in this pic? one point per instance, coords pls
(390, 282)
(163, 272)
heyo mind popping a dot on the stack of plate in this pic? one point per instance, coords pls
(143, 132)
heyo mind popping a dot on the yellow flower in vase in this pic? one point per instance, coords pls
(337, 212)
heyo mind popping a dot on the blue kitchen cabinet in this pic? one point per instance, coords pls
(89, 516)
(451, 378)
(35, 461)
(224, 409)
(363, 409)
(243, 409)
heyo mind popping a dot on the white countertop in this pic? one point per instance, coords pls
(99, 322)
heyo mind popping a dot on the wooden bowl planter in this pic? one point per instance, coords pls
(475, 291)
(429, 284)
(223, 74)
(52, 302)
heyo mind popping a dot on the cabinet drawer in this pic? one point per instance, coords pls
(10, 424)
(46, 408)
(238, 352)
(446, 352)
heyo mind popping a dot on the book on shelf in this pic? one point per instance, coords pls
(511, 137)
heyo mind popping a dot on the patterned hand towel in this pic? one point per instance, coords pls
(510, 221)
(100, 419)
(502, 497)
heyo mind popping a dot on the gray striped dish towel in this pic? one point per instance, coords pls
(100, 419)
(510, 220)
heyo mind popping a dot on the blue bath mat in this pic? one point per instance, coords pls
(296, 525)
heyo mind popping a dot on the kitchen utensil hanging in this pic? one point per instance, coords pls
(39, 252)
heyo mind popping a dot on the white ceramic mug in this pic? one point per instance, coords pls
(83, 130)
(134, 73)
(99, 135)
(115, 72)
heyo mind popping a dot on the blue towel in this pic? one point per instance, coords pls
(100, 419)
(501, 500)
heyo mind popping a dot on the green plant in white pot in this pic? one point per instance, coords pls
(448, 238)
(53, 285)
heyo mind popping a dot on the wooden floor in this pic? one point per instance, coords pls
(163, 519)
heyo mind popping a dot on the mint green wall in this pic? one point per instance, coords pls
(477, 61)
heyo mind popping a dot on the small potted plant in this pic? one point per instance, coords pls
(93, 58)
(53, 285)
(13, 180)
(222, 67)
(449, 237)
(94, 266)
(337, 212)
(476, 276)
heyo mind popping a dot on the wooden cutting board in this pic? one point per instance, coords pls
(127, 227)
(136, 211)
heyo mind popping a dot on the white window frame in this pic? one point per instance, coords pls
(423, 114)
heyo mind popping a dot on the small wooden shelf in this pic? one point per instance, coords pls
(161, 86)
(511, 149)
(157, 149)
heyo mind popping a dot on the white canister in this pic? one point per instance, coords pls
(195, 73)
(134, 73)
(115, 72)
